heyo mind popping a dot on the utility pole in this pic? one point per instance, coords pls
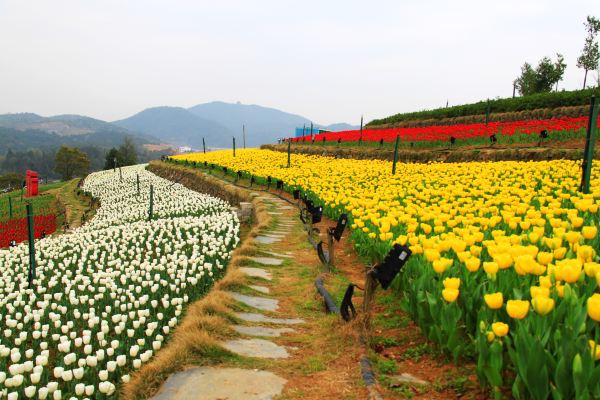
(244, 135)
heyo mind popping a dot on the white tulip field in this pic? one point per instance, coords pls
(107, 295)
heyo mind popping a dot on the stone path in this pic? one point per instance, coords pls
(256, 331)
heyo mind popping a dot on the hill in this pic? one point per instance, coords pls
(178, 126)
(263, 124)
(524, 107)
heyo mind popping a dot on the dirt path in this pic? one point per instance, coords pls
(78, 208)
(281, 333)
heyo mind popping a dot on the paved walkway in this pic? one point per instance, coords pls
(259, 329)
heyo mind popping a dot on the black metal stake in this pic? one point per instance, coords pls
(395, 155)
(137, 179)
(30, 238)
(151, 207)
(590, 140)
(204, 145)
(10, 210)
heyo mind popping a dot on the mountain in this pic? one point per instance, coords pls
(339, 127)
(179, 126)
(263, 124)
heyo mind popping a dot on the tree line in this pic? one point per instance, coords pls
(547, 74)
(67, 162)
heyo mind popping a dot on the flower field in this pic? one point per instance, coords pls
(16, 229)
(106, 296)
(505, 267)
(559, 128)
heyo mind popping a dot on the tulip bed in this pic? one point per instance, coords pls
(504, 268)
(106, 296)
(470, 134)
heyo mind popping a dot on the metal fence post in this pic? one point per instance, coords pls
(30, 237)
(10, 210)
(151, 207)
(395, 155)
(204, 145)
(590, 140)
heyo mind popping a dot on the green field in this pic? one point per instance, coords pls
(44, 203)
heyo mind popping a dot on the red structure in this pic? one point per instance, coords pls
(31, 180)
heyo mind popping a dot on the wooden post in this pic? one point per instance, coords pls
(120, 175)
(289, 152)
(395, 155)
(203, 145)
(588, 153)
(137, 179)
(151, 206)
(30, 238)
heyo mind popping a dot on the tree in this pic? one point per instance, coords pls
(541, 79)
(128, 152)
(113, 159)
(70, 162)
(590, 55)
(11, 181)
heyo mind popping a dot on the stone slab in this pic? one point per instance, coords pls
(278, 254)
(262, 303)
(254, 317)
(261, 330)
(266, 240)
(256, 273)
(258, 348)
(262, 289)
(267, 260)
(208, 383)
(407, 379)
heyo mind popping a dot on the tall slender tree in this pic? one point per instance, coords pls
(590, 55)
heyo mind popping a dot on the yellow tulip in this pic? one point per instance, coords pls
(545, 281)
(585, 253)
(595, 349)
(490, 267)
(572, 237)
(504, 261)
(494, 300)
(473, 264)
(589, 232)
(543, 305)
(441, 265)
(560, 253)
(431, 255)
(500, 329)
(591, 269)
(450, 295)
(569, 270)
(545, 258)
(517, 309)
(452, 283)
(536, 291)
(593, 307)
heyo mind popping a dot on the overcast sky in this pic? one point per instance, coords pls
(329, 61)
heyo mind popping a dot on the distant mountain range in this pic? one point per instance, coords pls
(216, 122)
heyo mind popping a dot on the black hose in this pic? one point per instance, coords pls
(329, 302)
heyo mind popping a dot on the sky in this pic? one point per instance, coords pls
(329, 61)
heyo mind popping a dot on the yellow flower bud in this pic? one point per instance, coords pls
(473, 264)
(517, 309)
(593, 307)
(494, 300)
(595, 349)
(536, 291)
(589, 232)
(450, 295)
(490, 267)
(542, 305)
(452, 283)
(500, 329)
(490, 336)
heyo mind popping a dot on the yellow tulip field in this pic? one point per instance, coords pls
(505, 267)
